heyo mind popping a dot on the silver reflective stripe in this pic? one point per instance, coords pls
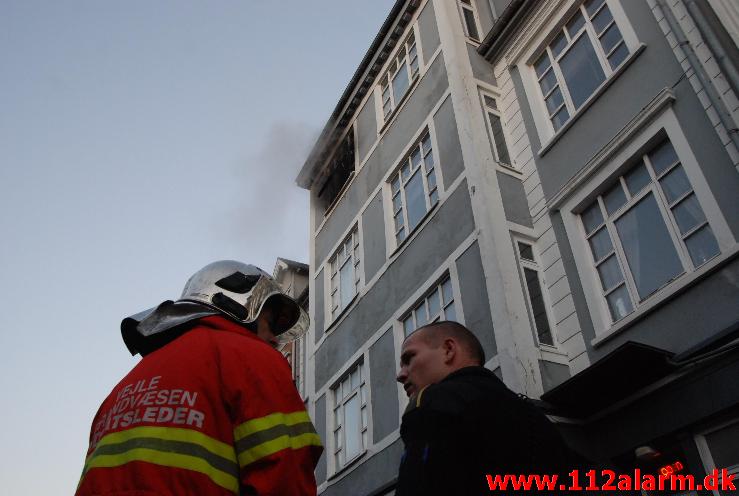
(263, 436)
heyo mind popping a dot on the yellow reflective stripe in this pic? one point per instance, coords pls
(418, 399)
(170, 434)
(269, 421)
(283, 442)
(274, 432)
(175, 460)
(171, 447)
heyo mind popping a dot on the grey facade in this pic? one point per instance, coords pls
(466, 195)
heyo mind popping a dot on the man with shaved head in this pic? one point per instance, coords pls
(462, 423)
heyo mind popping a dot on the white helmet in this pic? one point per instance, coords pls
(240, 291)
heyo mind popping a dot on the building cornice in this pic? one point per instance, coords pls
(504, 28)
(359, 85)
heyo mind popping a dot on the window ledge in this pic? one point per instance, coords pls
(553, 355)
(340, 317)
(675, 288)
(508, 169)
(414, 233)
(347, 466)
(554, 349)
(391, 116)
(596, 94)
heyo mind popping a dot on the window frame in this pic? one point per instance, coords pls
(390, 71)
(333, 273)
(428, 191)
(587, 29)
(423, 301)
(337, 412)
(547, 24)
(653, 125)
(469, 5)
(534, 265)
(664, 206)
(489, 109)
(298, 370)
(706, 454)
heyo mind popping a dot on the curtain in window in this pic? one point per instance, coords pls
(649, 250)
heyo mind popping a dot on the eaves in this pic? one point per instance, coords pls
(360, 83)
(504, 28)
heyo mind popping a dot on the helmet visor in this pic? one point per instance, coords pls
(297, 329)
(289, 320)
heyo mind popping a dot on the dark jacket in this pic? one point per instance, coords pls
(469, 425)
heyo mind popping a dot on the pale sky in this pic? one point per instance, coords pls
(139, 141)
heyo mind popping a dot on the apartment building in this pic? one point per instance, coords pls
(561, 177)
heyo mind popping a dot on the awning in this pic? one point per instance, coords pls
(618, 375)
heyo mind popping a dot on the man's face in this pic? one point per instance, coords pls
(264, 329)
(421, 363)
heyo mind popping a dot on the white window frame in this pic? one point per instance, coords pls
(546, 26)
(298, 354)
(422, 305)
(653, 189)
(535, 266)
(339, 398)
(402, 57)
(705, 451)
(612, 164)
(490, 106)
(348, 251)
(469, 6)
(427, 167)
(586, 30)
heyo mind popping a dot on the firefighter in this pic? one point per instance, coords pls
(211, 408)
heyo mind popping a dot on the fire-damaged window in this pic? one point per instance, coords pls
(340, 172)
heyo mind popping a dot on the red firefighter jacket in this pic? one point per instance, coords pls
(214, 412)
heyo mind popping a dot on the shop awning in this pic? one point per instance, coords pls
(618, 375)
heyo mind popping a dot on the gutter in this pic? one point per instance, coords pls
(695, 64)
(503, 28)
(703, 16)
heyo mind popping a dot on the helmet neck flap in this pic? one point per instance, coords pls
(151, 329)
(233, 289)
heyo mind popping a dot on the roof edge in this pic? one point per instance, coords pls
(307, 173)
(291, 264)
(503, 28)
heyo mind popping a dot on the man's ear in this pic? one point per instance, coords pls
(451, 349)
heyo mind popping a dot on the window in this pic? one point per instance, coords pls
(438, 305)
(293, 353)
(587, 49)
(350, 416)
(646, 230)
(402, 72)
(341, 171)
(413, 188)
(535, 294)
(719, 449)
(496, 130)
(468, 19)
(345, 271)
(297, 364)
